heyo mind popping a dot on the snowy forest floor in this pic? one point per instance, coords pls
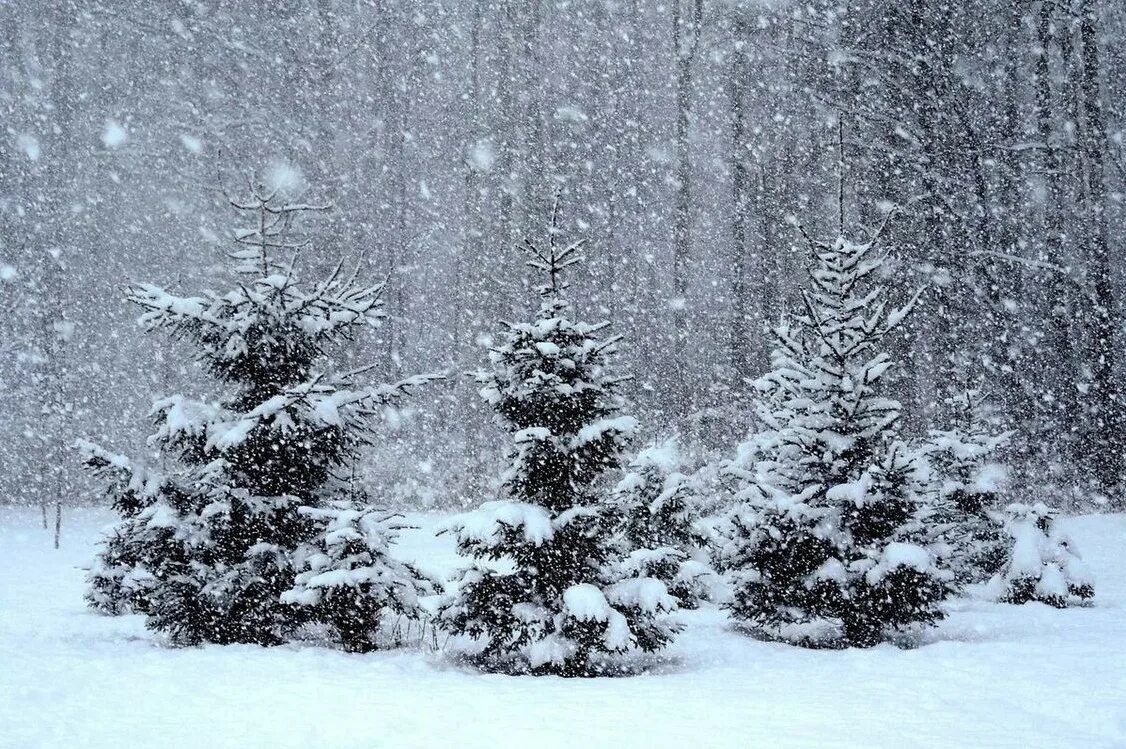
(990, 676)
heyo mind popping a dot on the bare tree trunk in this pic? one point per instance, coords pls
(1109, 421)
(506, 99)
(740, 195)
(770, 267)
(58, 522)
(686, 40)
(1044, 126)
(471, 265)
(1057, 371)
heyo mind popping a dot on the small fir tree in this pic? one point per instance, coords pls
(218, 536)
(968, 479)
(824, 549)
(658, 518)
(561, 602)
(1043, 564)
(348, 579)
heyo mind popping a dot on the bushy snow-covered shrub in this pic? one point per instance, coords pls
(658, 518)
(348, 578)
(1043, 564)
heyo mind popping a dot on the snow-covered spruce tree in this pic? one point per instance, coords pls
(824, 549)
(1043, 564)
(968, 478)
(658, 517)
(349, 580)
(244, 507)
(560, 601)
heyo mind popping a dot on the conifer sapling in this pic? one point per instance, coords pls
(250, 481)
(968, 478)
(658, 516)
(826, 545)
(549, 594)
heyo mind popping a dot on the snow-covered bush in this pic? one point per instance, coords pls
(826, 544)
(548, 594)
(658, 518)
(968, 478)
(347, 577)
(1043, 564)
(214, 538)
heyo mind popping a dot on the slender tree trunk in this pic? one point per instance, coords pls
(740, 198)
(1108, 442)
(1058, 377)
(470, 265)
(1044, 119)
(686, 39)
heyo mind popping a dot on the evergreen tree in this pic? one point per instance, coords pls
(1043, 564)
(566, 604)
(348, 579)
(658, 517)
(824, 549)
(207, 547)
(968, 479)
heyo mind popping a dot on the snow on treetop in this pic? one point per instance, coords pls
(853, 492)
(532, 434)
(183, 417)
(158, 300)
(127, 476)
(991, 477)
(226, 435)
(315, 403)
(899, 554)
(571, 514)
(261, 315)
(94, 452)
(663, 456)
(547, 348)
(551, 649)
(831, 569)
(1052, 583)
(331, 305)
(588, 603)
(553, 329)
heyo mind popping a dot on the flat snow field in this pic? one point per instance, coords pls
(990, 676)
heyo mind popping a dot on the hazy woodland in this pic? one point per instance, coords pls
(688, 141)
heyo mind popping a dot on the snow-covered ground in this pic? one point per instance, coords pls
(990, 676)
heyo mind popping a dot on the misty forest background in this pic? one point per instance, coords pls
(685, 137)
